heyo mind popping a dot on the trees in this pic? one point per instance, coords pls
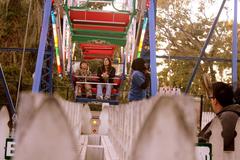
(13, 21)
(13, 16)
(183, 32)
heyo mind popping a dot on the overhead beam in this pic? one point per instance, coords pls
(209, 59)
(10, 106)
(18, 50)
(202, 52)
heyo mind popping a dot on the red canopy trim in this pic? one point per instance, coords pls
(97, 51)
(96, 17)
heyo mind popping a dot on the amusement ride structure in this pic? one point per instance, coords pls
(92, 30)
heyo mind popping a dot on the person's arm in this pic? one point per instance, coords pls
(112, 72)
(89, 73)
(146, 82)
(99, 72)
(138, 79)
(205, 133)
(228, 120)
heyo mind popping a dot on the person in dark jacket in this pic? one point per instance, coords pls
(140, 80)
(226, 111)
(106, 73)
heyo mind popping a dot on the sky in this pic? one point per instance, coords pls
(213, 9)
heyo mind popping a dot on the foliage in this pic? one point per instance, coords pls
(185, 36)
(13, 20)
(12, 78)
(63, 87)
(182, 32)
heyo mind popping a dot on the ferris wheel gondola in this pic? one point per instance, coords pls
(99, 34)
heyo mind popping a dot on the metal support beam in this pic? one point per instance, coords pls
(10, 106)
(32, 50)
(152, 40)
(193, 58)
(46, 78)
(42, 45)
(204, 47)
(235, 48)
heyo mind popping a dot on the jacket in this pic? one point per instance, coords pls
(83, 75)
(111, 72)
(228, 117)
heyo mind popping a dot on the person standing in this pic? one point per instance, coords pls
(140, 80)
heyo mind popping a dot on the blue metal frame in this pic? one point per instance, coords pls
(32, 50)
(42, 45)
(204, 47)
(152, 39)
(235, 48)
(209, 59)
(10, 106)
(46, 78)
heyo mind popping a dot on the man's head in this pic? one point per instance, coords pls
(222, 96)
(139, 64)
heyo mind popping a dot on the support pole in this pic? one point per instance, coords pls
(55, 37)
(144, 27)
(152, 39)
(10, 107)
(235, 48)
(50, 81)
(204, 47)
(42, 45)
(124, 61)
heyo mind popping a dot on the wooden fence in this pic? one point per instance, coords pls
(159, 128)
(50, 128)
(146, 130)
(163, 127)
(207, 117)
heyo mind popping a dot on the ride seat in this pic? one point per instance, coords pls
(89, 25)
(99, 18)
(96, 20)
(97, 51)
(115, 88)
(114, 91)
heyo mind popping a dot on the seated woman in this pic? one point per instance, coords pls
(83, 72)
(106, 73)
